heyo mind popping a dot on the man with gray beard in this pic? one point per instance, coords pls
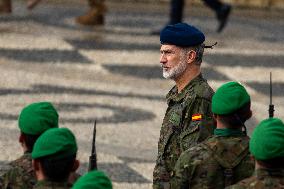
(188, 119)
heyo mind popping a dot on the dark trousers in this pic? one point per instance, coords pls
(177, 6)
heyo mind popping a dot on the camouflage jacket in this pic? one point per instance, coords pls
(188, 121)
(217, 162)
(20, 175)
(262, 179)
(52, 185)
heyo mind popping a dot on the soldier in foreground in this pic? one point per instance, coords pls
(93, 180)
(267, 148)
(188, 119)
(54, 159)
(34, 119)
(95, 16)
(223, 159)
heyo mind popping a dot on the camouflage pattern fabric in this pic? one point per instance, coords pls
(187, 122)
(52, 185)
(211, 163)
(21, 175)
(262, 179)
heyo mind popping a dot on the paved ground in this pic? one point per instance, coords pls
(112, 74)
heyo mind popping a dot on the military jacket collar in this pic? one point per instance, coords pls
(260, 173)
(174, 96)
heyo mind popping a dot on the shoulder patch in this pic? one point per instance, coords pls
(196, 117)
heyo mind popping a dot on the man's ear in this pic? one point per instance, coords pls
(191, 56)
(215, 116)
(76, 165)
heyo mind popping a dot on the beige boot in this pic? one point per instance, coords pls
(95, 16)
(5, 6)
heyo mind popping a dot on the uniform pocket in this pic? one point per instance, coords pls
(189, 137)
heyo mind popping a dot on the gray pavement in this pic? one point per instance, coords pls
(112, 74)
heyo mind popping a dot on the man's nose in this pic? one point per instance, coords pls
(163, 59)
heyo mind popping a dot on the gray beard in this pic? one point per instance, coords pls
(176, 71)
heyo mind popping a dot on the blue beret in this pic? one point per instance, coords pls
(181, 34)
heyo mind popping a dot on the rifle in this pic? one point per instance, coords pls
(271, 106)
(93, 157)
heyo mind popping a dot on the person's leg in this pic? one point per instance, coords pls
(176, 11)
(95, 16)
(214, 4)
(222, 11)
(32, 3)
(5, 6)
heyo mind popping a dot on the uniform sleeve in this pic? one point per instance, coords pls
(183, 172)
(4, 176)
(14, 178)
(198, 123)
(160, 174)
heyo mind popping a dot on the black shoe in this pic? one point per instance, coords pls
(223, 16)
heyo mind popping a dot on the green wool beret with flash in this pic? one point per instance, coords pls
(229, 98)
(37, 117)
(93, 180)
(267, 141)
(56, 143)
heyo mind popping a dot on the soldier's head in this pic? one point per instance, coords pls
(267, 143)
(181, 49)
(33, 120)
(54, 155)
(231, 105)
(93, 180)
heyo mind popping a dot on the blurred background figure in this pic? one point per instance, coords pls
(222, 11)
(95, 16)
(6, 5)
(32, 3)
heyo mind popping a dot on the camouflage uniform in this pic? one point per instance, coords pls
(215, 163)
(180, 130)
(262, 179)
(21, 174)
(52, 185)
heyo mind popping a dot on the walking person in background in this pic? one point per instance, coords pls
(6, 5)
(96, 14)
(222, 11)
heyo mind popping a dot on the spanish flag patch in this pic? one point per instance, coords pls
(196, 117)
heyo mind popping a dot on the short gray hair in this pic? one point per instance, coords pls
(199, 49)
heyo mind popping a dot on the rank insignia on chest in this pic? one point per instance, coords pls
(196, 117)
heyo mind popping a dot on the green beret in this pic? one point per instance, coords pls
(267, 141)
(181, 34)
(93, 180)
(56, 143)
(36, 118)
(229, 98)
